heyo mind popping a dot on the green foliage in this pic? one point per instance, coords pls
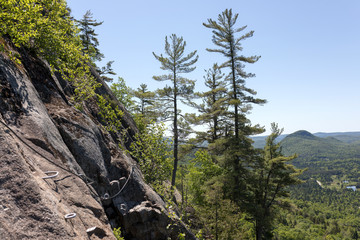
(153, 152)
(146, 104)
(123, 93)
(181, 236)
(240, 97)
(199, 235)
(223, 218)
(105, 71)
(110, 114)
(202, 170)
(46, 29)
(213, 107)
(88, 36)
(269, 184)
(84, 87)
(117, 233)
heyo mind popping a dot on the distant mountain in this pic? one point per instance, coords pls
(346, 137)
(314, 151)
(307, 145)
(326, 155)
(302, 134)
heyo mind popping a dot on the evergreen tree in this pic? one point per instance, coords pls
(90, 44)
(213, 106)
(271, 176)
(89, 37)
(224, 37)
(146, 101)
(175, 62)
(238, 153)
(106, 70)
(145, 107)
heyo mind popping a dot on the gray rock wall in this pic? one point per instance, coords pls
(41, 131)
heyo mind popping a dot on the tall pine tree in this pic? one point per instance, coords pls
(176, 63)
(237, 148)
(224, 31)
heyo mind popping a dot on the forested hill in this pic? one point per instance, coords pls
(326, 201)
(326, 154)
(310, 147)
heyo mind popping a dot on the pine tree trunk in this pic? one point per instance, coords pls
(234, 97)
(176, 136)
(234, 94)
(216, 219)
(215, 129)
(258, 230)
(215, 119)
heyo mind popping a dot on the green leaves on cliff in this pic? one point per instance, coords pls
(153, 152)
(46, 29)
(112, 115)
(123, 93)
(20, 20)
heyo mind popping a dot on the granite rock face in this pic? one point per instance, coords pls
(61, 171)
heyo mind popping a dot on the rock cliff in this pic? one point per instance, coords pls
(60, 172)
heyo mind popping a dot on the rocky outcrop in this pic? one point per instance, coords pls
(60, 172)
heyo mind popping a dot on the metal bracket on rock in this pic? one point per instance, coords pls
(70, 215)
(53, 174)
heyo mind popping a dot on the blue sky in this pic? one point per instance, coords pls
(309, 50)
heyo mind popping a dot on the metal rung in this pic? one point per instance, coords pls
(54, 174)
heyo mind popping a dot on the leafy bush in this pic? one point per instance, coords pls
(46, 29)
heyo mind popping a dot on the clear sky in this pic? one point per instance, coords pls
(310, 52)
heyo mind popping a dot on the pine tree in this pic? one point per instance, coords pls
(176, 62)
(271, 176)
(145, 107)
(237, 149)
(90, 44)
(224, 37)
(89, 37)
(146, 101)
(213, 106)
(106, 70)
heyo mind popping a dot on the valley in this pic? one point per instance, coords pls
(326, 203)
